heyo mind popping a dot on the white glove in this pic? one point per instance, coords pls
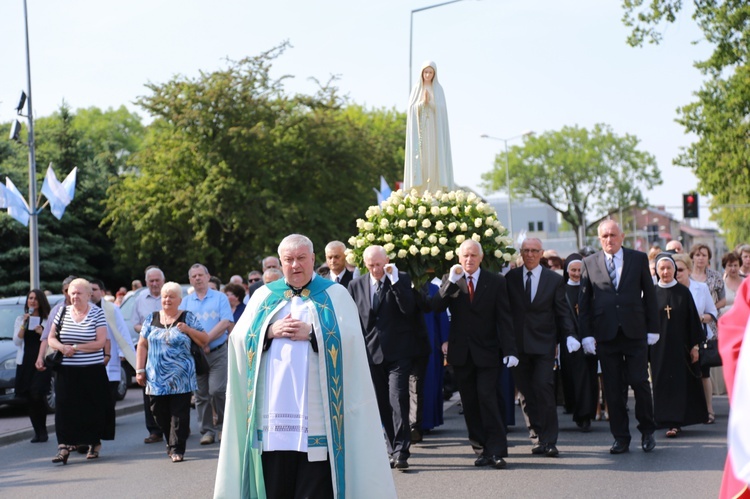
(456, 273)
(573, 344)
(510, 361)
(589, 345)
(392, 272)
(652, 338)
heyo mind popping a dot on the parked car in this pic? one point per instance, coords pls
(10, 308)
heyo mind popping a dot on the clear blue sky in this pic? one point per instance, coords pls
(506, 66)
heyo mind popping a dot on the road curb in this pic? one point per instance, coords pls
(28, 433)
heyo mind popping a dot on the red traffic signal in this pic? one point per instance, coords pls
(690, 205)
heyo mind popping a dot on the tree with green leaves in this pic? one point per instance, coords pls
(231, 164)
(97, 142)
(577, 172)
(719, 117)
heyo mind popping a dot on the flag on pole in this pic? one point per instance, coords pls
(384, 192)
(3, 197)
(16, 204)
(59, 194)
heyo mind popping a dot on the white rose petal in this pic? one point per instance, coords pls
(387, 237)
(352, 241)
(421, 234)
(460, 238)
(413, 250)
(409, 212)
(424, 250)
(476, 237)
(389, 247)
(507, 257)
(402, 224)
(432, 238)
(371, 237)
(351, 259)
(368, 226)
(435, 210)
(360, 223)
(489, 232)
(478, 222)
(402, 253)
(426, 223)
(449, 255)
(498, 254)
(422, 210)
(452, 226)
(464, 227)
(412, 222)
(455, 211)
(443, 240)
(434, 251)
(390, 210)
(439, 225)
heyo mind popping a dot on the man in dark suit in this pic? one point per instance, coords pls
(387, 307)
(269, 262)
(480, 332)
(618, 320)
(541, 319)
(336, 260)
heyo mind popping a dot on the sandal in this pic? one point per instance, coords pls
(673, 432)
(177, 458)
(62, 455)
(711, 418)
(94, 452)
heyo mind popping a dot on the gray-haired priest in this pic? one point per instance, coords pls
(301, 418)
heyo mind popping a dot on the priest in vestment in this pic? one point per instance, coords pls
(301, 417)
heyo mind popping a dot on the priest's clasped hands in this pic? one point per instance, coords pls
(290, 329)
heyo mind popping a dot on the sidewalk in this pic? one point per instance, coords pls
(18, 428)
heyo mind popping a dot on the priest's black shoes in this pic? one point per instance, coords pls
(619, 447)
(539, 449)
(551, 451)
(496, 462)
(648, 442)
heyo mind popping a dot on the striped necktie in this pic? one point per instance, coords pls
(612, 271)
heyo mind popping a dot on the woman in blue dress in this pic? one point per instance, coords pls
(165, 366)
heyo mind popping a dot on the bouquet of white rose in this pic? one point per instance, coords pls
(422, 234)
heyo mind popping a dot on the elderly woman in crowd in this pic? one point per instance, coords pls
(83, 413)
(235, 294)
(165, 366)
(705, 304)
(678, 392)
(31, 384)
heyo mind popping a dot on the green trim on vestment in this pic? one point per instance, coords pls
(252, 482)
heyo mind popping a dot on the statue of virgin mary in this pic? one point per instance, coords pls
(427, 160)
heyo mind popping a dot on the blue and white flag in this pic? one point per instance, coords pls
(3, 196)
(59, 194)
(16, 204)
(384, 192)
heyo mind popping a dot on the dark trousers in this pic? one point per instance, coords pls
(479, 398)
(38, 412)
(151, 426)
(172, 414)
(628, 356)
(416, 392)
(391, 382)
(535, 379)
(289, 475)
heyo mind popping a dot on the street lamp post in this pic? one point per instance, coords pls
(411, 29)
(507, 172)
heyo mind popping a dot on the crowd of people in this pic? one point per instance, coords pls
(273, 361)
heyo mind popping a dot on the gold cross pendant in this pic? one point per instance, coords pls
(668, 309)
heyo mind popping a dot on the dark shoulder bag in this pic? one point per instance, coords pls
(53, 358)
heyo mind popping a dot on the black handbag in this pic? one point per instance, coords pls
(53, 358)
(201, 361)
(709, 353)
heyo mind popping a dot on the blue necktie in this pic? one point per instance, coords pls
(612, 271)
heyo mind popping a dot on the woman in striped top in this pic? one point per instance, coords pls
(79, 331)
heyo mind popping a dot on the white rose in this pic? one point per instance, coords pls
(426, 223)
(409, 212)
(507, 257)
(434, 251)
(498, 254)
(402, 253)
(427, 196)
(452, 195)
(406, 237)
(445, 198)
(452, 226)
(443, 240)
(388, 237)
(478, 222)
(481, 206)
(499, 239)
(371, 237)
(455, 211)
(460, 238)
(460, 196)
(389, 247)
(360, 223)
(402, 224)
(449, 255)
(401, 208)
(464, 227)
(376, 210)
(421, 234)
(444, 210)
(422, 210)
(489, 232)
(424, 250)
(439, 225)
(489, 222)
(476, 237)
(435, 210)
(368, 213)
(352, 241)
(471, 197)
(390, 210)
(360, 243)
(432, 238)
(412, 222)
(418, 241)
(413, 250)
(351, 259)
(438, 194)
(467, 209)
(368, 226)
(384, 223)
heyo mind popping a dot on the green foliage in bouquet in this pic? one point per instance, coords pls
(422, 234)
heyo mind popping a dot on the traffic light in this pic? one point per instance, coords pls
(690, 205)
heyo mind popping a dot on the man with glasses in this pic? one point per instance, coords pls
(618, 320)
(541, 318)
(269, 262)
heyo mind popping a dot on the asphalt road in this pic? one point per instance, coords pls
(689, 466)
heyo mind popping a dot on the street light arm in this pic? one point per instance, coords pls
(434, 6)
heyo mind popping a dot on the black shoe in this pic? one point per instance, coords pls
(619, 447)
(648, 442)
(392, 461)
(482, 461)
(551, 451)
(416, 436)
(497, 462)
(39, 437)
(586, 426)
(401, 464)
(539, 449)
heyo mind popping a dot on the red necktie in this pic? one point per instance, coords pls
(471, 288)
